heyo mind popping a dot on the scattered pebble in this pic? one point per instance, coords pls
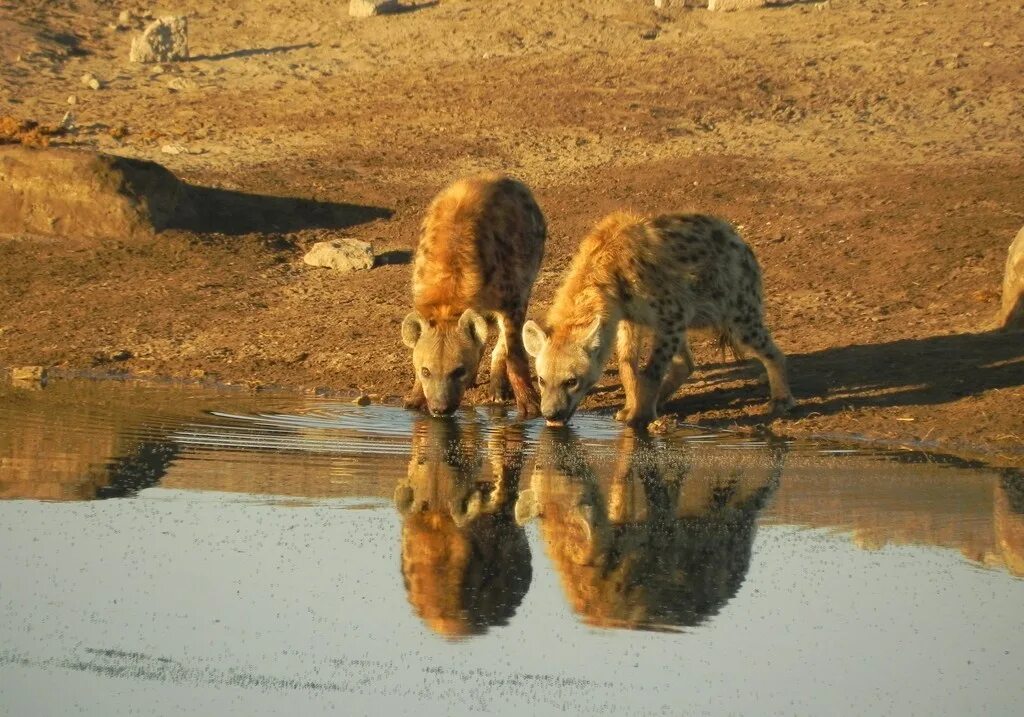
(28, 373)
(341, 254)
(362, 400)
(369, 8)
(91, 81)
(163, 40)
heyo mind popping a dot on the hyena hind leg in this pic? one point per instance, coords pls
(679, 370)
(757, 341)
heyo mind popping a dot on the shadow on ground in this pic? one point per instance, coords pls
(909, 372)
(254, 52)
(206, 210)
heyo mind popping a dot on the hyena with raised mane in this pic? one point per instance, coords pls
(664, 274)
(478, 255)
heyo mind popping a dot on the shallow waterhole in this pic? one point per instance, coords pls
(196, 550)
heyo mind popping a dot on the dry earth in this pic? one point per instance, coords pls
(870, 151)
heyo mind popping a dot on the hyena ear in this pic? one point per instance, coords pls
(592, 340)
(474, 325)
(527, 506)
(533, 338)
(412, 327)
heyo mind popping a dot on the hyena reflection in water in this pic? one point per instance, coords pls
(658, 544)
(465, 561)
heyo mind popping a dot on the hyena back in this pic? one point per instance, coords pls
(664, 275)
(480, 248)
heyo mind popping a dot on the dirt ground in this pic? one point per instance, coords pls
(869, 150)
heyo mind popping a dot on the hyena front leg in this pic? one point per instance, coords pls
(415, 399)
(517, 364)
(499, 389)
(668, 342)
(627, 346)
(679, 370)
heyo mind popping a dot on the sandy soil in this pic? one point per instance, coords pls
(870, 152)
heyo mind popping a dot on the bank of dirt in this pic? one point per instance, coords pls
(870, 153)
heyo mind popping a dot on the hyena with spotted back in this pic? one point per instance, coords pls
(663, 275)
(480, 248)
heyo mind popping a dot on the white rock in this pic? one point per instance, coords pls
(124, 20)
(369, 8)
(1011, 316)
(173, 149)
(724, 5)
(341, 254)
(163, 40)
(90, 80)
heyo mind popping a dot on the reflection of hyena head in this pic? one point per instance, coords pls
(643, 548)
(478, 255)
(662, 276)
(465, 563)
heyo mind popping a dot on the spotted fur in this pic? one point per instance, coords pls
(479, 252)
(660, 275)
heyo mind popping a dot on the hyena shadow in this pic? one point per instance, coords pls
(908, 372)
(648, 541)
(465, 562)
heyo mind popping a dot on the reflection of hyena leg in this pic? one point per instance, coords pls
(668, 342)
(517, 364)
(627, 346)
(415, 398)
(754, 338)
(678, 371)
(499, 390)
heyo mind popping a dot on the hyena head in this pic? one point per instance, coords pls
(567, 366)
(445, 356)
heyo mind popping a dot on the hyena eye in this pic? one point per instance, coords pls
(571, 384)
(425, 372)
(458, 373)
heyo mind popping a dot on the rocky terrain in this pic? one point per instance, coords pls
(869, 150)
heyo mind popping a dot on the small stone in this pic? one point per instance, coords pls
(67, 122)
(163, 40)
(28, 373)
(124, 20)
(1011, 315)
(341, 254)
(173, 149)
(121, 355)
(90, 80)
(988, 43)
(369, 8)
(362, 400)
(72, 100)
(197, 373)
(726, 5)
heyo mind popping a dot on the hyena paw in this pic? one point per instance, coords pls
(499, 391)
(414, 401)
(528, 408)
(622, 414)
(638, 419)
(782, 406)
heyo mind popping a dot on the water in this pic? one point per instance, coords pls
(170, 550)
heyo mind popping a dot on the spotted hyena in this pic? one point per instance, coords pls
(663, 275)
(481, 246)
